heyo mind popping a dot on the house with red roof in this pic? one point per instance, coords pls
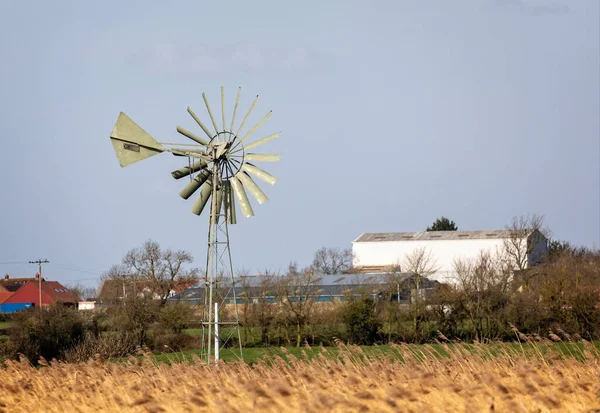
(114, 290)
(11, 285)
(19, 293)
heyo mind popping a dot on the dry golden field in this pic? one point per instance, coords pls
(401, 379)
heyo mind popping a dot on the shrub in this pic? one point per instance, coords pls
(110, 345)
(134, 315)
(175, 317)
(175, 342)
(361, 321)
(47, 333)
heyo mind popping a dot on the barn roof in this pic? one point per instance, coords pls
(322, 285)
(432, 235)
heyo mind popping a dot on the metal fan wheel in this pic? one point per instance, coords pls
(232, 158)
(226, 154)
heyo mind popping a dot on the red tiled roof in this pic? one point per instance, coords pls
(52, 291)
(5, 295)
(13, 284)
(114, 289)
(59, 292)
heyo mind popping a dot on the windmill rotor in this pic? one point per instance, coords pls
(219, 146)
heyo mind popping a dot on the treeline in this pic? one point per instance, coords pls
(486, 302)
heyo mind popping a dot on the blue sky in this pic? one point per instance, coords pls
(392, 114)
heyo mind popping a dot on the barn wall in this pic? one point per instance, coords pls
(539, 250)
(444, 252)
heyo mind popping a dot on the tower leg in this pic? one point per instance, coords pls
(217, 342)
(221, 326)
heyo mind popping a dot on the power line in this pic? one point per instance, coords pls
(81, 279)
(67, 267)
(97, 274)
(79, 269)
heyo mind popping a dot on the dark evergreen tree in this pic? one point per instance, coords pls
(443, 224)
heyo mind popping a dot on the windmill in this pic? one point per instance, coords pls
(220, 168)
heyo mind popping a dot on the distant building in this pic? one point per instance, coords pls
(11, 285)
(112, 290)
(86, 305)
(324, 289)
(52, 292)
(21, 293)
(376, 252)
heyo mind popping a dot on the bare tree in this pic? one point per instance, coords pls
(483, 287)
(157, 269)
(394, 280)
(121, 278)
(395, 284)
(116, 272)
(295, 292)
(259, 294)
(332, 261)
(524, 233)
(421, 264)
(83, 292)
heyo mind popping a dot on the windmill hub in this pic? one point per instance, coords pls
(220, 150)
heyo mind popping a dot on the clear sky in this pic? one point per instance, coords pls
(392, 113)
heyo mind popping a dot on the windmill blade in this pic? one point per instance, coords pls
(259, 173)
(199, 122)
(218, 203)
(242, 198)
(210, 113)
(194, 184)
(247, 116)
(262, 141)
(254, 189)
(261, 157)
(192, 136)
(229, 203)
(186, 170)
(223, 105)
(237, 101)
(251, 131)
(202, 198)
(131, 143)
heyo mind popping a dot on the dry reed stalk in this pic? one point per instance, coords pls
(421, 381)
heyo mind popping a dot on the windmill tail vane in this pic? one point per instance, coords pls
(220, 156)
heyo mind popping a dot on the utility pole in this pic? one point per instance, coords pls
(39, 263)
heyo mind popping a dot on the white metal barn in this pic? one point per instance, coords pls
(374, 251)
